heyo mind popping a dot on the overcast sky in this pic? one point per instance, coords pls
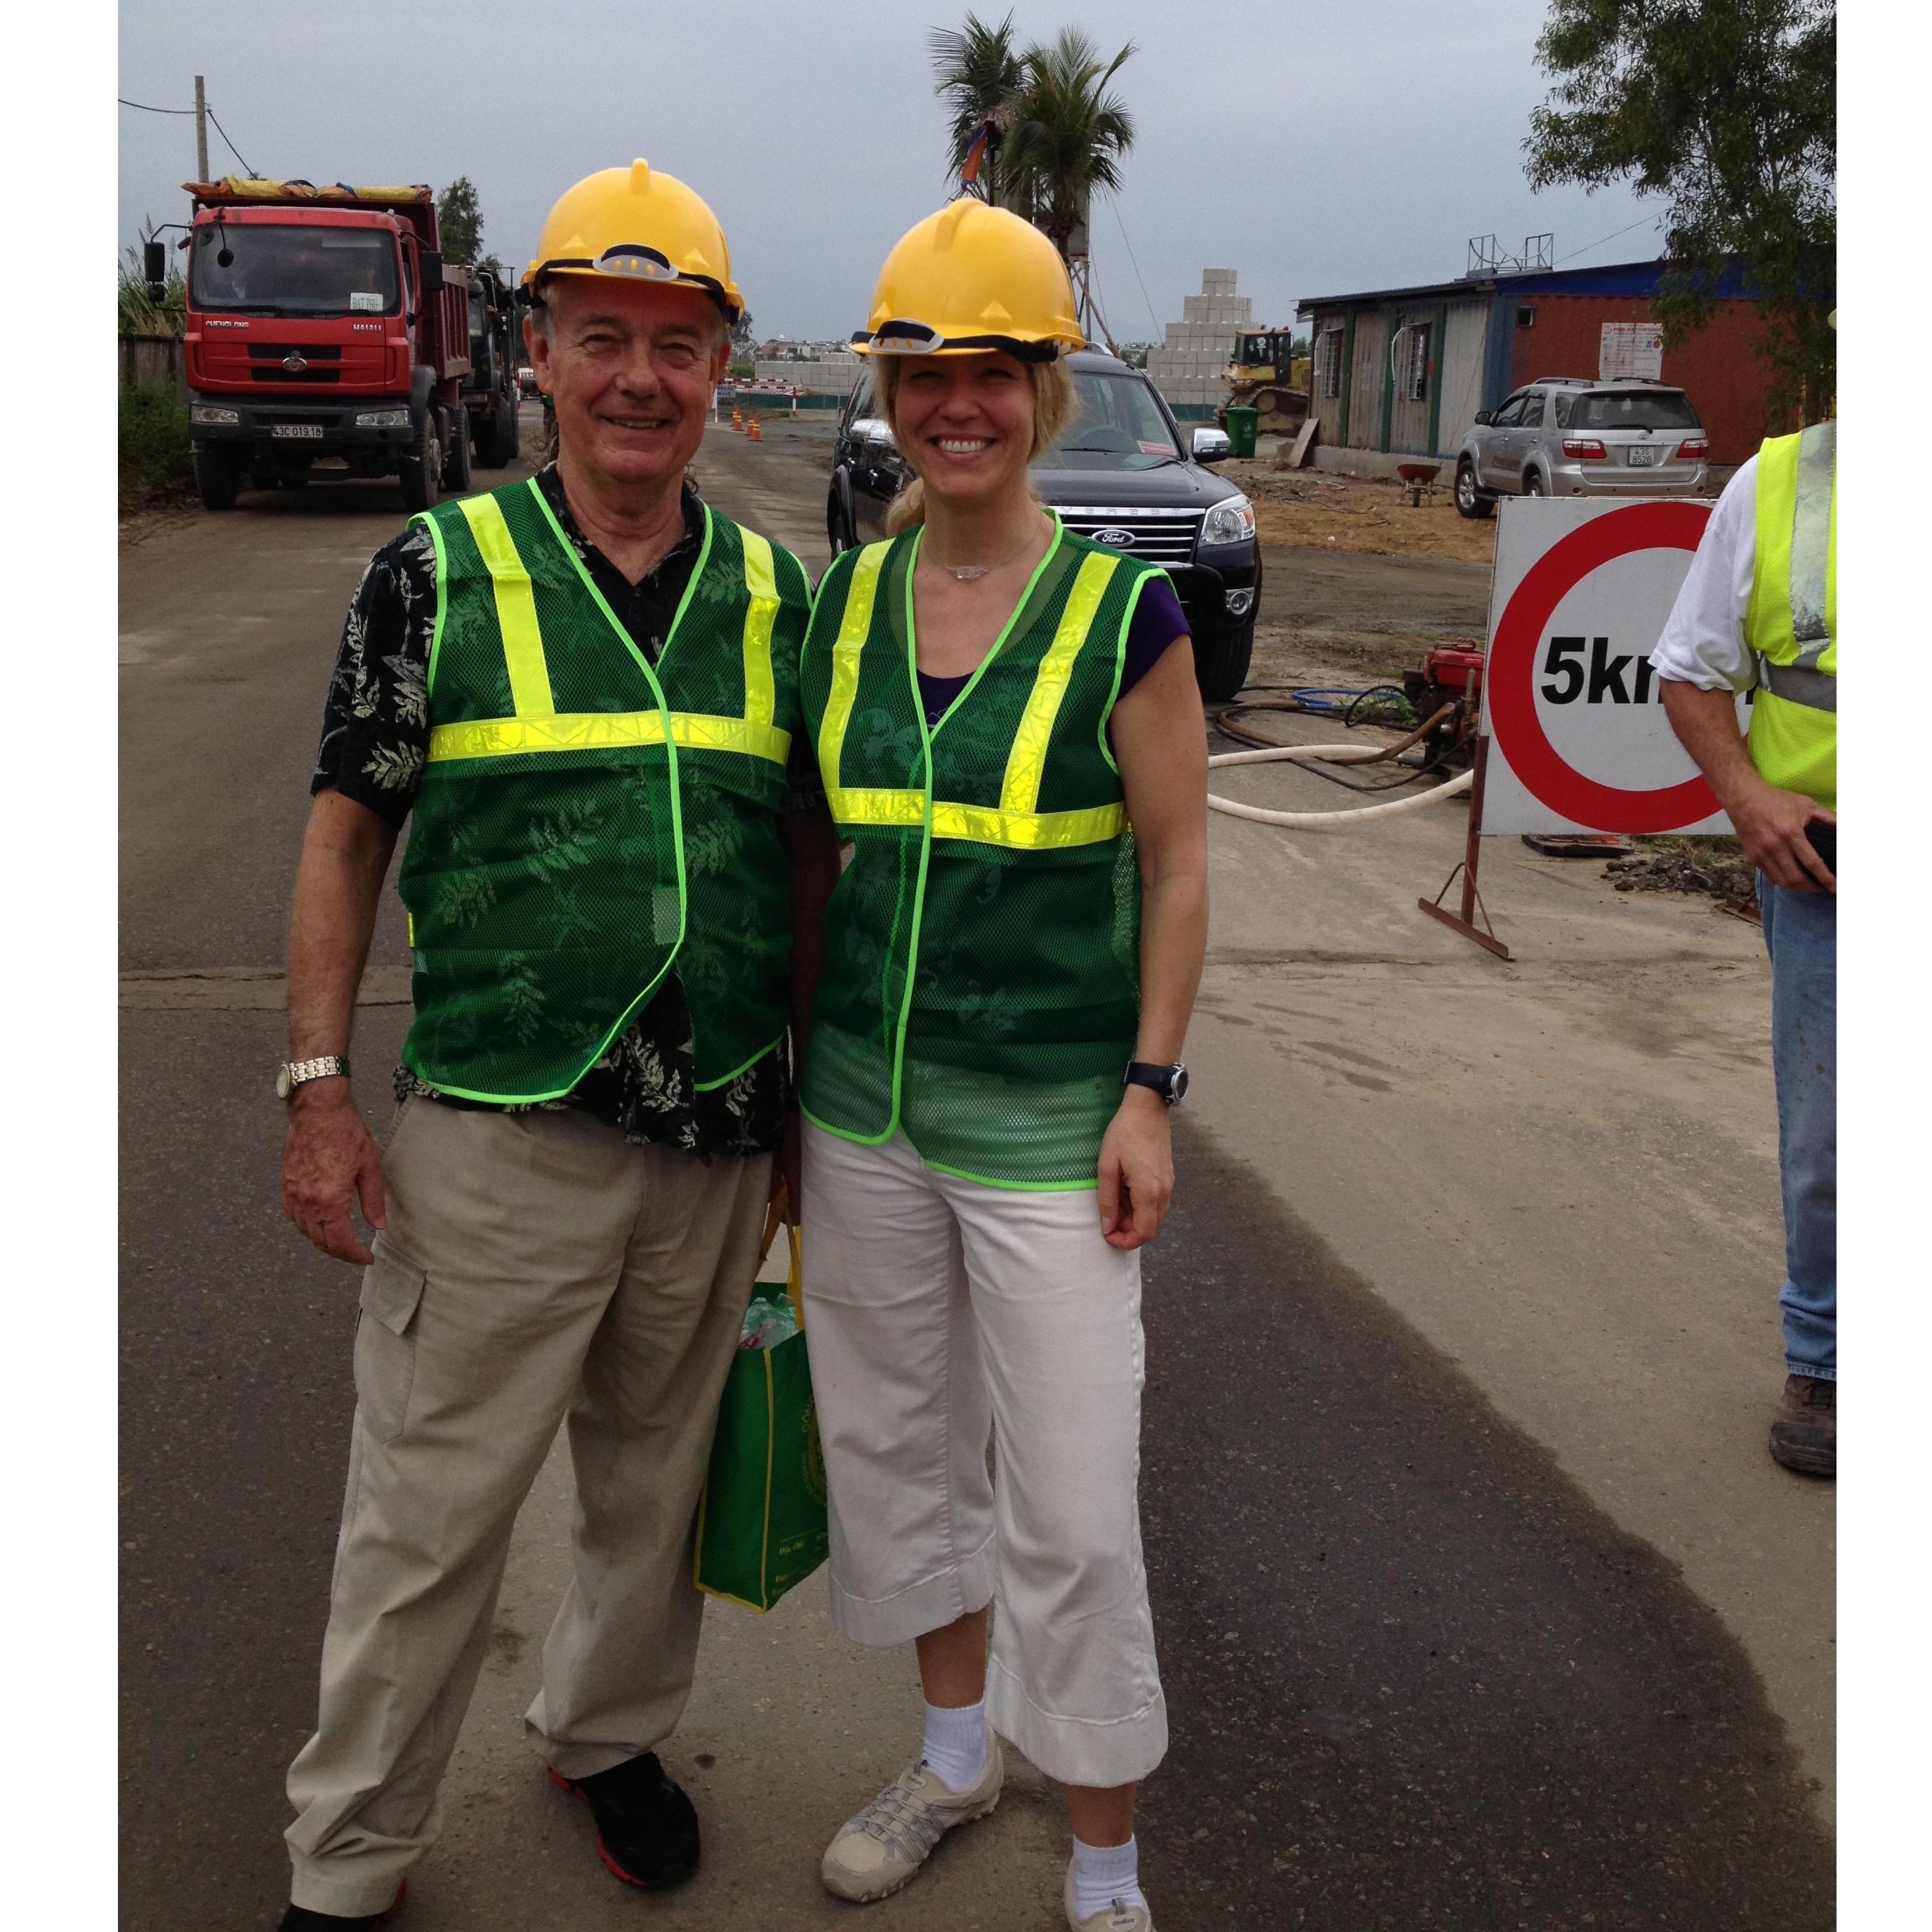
(1317, 148)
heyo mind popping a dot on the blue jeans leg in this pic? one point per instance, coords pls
(1800, 932)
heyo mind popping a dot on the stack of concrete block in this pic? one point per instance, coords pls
(835, 377)
(1186, 366)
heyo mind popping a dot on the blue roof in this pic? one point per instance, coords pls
(1616, 278)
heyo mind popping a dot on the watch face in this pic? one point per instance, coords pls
(1180, 1083)
(282, 1088)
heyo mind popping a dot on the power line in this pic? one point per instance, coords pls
(1115, 205)
(231, 148)
(1648, 221)
(146, 109)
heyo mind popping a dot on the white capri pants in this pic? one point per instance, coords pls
(939, 1311)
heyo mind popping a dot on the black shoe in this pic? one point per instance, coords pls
(647, 1827)
(299, 1918)
(1805, 1436)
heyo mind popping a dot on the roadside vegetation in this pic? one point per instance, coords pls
(153, 469)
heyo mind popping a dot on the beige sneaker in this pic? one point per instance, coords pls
(1116, 1918)
(883, 1846)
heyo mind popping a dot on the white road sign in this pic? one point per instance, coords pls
(1578, 739)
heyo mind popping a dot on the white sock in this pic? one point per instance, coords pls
(1104, 1872)
(954, 1749)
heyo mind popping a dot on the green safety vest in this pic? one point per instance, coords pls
(981, 989)
(585, 819)
(1793, 622)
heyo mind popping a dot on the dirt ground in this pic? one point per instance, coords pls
(1371, 516)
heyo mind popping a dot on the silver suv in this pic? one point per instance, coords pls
(1562, 435)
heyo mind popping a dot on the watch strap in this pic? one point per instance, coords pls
(1165, 1080)
(298, 1072)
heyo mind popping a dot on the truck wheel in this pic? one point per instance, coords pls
(497, 446)
(456, 462)
(1470, 501)
(421, 471)
(1221, 658)
(218, 479)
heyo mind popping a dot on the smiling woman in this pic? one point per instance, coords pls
(1011, 959)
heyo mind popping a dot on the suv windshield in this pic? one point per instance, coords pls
(304, 271)
(1635, 408)
(1117, 425)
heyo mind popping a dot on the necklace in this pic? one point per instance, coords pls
(971, 573)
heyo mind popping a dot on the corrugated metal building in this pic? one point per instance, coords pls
(1403, 371)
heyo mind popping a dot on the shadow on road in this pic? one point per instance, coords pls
(1415, 1677)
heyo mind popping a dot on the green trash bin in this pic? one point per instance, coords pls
(1241, 429)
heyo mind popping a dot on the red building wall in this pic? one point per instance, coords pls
(1718, 368)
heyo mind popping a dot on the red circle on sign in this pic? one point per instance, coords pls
(1511, 674)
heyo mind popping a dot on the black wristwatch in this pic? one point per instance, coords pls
(1169, 1082)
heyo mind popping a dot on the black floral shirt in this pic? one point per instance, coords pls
(375, 740)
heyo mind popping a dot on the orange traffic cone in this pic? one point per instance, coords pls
(737, 417)
(752, 429)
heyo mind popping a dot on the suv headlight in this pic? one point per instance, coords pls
(383, 419)
(213, 412)
(1231, 520)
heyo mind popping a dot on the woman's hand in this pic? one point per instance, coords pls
(1136, 1170)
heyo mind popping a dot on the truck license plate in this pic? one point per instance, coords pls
(1643, 453)
(296, 429)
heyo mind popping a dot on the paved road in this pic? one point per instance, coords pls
(1479, 1606)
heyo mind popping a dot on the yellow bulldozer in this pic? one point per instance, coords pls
(1266, 376)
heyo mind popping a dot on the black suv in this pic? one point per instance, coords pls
(1121, 474)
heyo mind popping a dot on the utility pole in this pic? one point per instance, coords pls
(200, 129)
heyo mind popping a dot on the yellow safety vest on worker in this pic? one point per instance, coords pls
(1792, 621)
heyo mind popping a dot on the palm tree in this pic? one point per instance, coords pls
(979, 71)
(1069, 134)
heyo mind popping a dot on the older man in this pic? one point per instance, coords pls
(584, 689)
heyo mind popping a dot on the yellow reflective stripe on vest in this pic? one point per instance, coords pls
(1026, 762)
(530, 695)
(599, 730)
(761, 583)
(861, 588)
(980, 824)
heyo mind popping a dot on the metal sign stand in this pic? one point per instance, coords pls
(1485, 934)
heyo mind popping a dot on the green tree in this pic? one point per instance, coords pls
(979, 71)
(459, 215)
(1069, 134)
(1727, 107)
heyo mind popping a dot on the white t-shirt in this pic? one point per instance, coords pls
(1703, 643)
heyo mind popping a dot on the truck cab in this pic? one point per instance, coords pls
(324, 336)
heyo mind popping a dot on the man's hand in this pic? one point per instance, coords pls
(1770, 824)
(1136, 1170)
(329, 1160)
(788, 1168)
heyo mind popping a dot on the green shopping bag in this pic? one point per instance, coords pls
(761, 1519)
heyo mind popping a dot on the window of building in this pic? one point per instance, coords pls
(1526, 316)
(1415, 381)
(1328, 361)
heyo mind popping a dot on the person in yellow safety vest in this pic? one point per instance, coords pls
(1010, 736)
(582, 690)
(1759, 609)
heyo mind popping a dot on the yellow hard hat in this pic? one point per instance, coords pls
(972, 277)
(635, 223)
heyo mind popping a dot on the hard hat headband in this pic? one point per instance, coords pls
(901, 337)
(630, 261)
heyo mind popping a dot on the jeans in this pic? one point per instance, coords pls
(1800, 933)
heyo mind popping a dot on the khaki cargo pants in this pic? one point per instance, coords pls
(535, 1267)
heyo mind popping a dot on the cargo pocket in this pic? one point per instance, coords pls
(385, 1344)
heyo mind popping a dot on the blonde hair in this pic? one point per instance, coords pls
(1052, 409)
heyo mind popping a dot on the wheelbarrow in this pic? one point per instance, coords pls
(1418, 477)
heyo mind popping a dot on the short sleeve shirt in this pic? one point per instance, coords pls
(375, 742)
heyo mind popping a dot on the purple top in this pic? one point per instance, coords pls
(1158, 621)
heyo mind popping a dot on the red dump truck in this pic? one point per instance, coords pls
(325, 337)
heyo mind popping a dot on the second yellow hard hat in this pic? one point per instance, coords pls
(637, 222)
(971, 277)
